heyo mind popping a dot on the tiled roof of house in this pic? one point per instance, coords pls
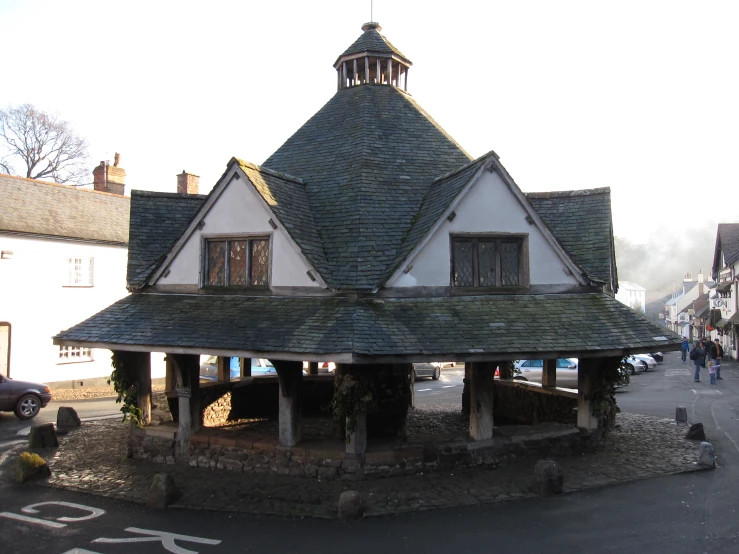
(581, 221)
(422, 328)
(39, 208)
(372, 41)
(158, 219)
(728, 234)
(367, 159)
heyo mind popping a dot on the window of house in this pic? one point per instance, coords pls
(79, 272)
(494, 262)
(242, 262)
(74, 354)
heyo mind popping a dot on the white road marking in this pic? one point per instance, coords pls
(12, 443)
(80, 551)
(448, 386)
(422, 390)
(676, 372)
(706, 391)
(167, 540)
(26, 519)
(94, 512)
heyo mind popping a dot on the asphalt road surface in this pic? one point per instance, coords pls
(13, 429)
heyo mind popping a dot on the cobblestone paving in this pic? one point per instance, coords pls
(93, 459)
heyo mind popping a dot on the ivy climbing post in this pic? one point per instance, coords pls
(131, 380)
(587, 378)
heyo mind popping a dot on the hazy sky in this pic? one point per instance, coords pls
(641, 96)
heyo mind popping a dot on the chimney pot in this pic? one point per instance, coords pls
(110, 178)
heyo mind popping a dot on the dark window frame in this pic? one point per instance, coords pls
(228, 239)
(498, 238)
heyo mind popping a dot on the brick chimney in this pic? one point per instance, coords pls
(110, 178)
(187, 183)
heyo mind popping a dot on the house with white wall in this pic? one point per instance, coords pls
(726, 298)
(632, 295)
(676, 318)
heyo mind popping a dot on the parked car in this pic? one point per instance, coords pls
(648, 361)
(427, 369)
(531, 370)
(632, 364)
(658, 356)
(23, 397)
(209, 367)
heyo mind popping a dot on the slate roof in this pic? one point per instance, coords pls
(369, 328)
(373, 42)
(158, 219)
(581, 221)
(286, 197)
(727, 241)
(36, 207)
(367, 159)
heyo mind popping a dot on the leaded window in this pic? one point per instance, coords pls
(237, 262)
(487, 262)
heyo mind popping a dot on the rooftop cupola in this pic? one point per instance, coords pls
(372, 60)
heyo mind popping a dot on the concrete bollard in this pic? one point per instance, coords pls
(350, 506)
(163, 492)
(681, 414)
(548, 478)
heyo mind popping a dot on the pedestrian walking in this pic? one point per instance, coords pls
(698, 357)
(712, 371)
(685, 348)
(717, 352)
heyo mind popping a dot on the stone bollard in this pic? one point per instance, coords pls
(43, 436)
(350, 505)
(163, 492)
(696, 433)
(707, 456)
(548, 478)
(681, 414)
(67, 418)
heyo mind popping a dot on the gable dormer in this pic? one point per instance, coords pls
(372, 59)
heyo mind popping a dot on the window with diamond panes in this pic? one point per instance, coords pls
(237, 263)
(486, 262)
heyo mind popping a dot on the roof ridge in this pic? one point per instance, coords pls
(158, 194)
(569, 193)
(278, 174)
(60, 185)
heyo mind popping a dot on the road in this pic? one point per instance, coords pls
(689, 513)
(13, 429)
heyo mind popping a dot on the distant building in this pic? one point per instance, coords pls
(725, 262)
(633, 295)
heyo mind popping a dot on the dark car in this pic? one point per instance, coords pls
(22, 397)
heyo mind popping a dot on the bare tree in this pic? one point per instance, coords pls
(47, 146)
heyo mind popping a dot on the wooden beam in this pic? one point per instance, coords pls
(482, 381)
(224, 369)
(549, 373)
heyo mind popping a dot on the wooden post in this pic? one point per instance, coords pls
(390, 72)
(343, 65)
(338, 79)
(290, 376)
(354, 75)
(481, 400)
(224, 369)
(357, 443)
(506, 369)
(412, 384)
(144, 386)
(587, 374)
(366, 69)
(188, 394)
(466, 388)
(549, 373)
(170, 379)
(379, 72)
(312, 368)
(245, 367)
(405, 84)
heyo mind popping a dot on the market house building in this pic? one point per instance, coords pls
(372, 239)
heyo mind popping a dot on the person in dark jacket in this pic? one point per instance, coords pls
(717, 352)
(685, 348)
(706, 346)
(698, 356)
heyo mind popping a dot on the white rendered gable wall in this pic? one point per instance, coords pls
(489, 207)
(240, 210)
